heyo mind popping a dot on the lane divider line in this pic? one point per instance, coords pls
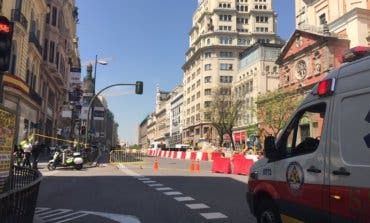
(181, 199)
(149, 181)
(197, 206)
(173, 193)
(163, 188)
(213, 215)
(155, 185)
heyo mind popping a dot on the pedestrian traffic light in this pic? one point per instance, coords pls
(139, 87)
(6, 34)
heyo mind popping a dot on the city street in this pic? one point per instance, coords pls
(136, 193)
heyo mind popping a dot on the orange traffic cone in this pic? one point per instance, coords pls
(197, 167)
(156, 166)
(192, 166)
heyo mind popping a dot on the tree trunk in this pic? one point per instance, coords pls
(221, 140)
(232, 140)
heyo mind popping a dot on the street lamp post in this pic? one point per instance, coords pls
(139, 90)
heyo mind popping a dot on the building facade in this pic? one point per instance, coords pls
(221, 29)
(143, 133)
(347, 19)
(60, 57)
(162, 117)
(177, 105)
(258, 74)
(22, 85)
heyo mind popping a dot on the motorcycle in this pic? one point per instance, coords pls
(66, 158)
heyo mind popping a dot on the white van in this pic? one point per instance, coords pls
(318, 169)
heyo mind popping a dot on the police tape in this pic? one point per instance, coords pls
(58, 139)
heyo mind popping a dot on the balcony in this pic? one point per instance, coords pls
(33, 39)
(35, 96)
(17, 16)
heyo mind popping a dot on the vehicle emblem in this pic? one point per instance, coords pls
(295, 176)
(367, 138)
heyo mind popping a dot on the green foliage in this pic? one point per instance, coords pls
(135, 146)
(223, 113)
(275, 108)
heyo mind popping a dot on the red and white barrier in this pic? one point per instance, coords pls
(188, 155)
(221, 165)
(179, 155)
(204, 157)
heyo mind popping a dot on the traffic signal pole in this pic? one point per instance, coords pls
(138, 90)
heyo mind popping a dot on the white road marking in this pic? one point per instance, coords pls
(184, 198)
(197, 206)
(155, 185)
(72, 218)
(60, 212)
(172, 193)
(143, 179)
(149, 181)
(214, 215)
(47, 212)
(115, 217)
(163, 188)
(61, 217)
(39, 210)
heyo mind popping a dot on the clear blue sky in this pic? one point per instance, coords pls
(147, 40)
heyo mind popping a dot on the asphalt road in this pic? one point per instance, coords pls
(134, 193)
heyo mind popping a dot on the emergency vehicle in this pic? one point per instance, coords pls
(318, 168)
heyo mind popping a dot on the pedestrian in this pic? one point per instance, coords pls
(27, 149)
(36, 149)
(18, 153)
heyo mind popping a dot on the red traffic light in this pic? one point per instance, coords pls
(4, 25)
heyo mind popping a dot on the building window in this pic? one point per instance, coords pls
(243, 41)
(226, 66)
(224, 28)
(225, 91)
(226, 79)
(322, 19)
(208, 91)
(225, 17)
(193, 98)
(226, 54)
(48, 16)
(198, 83)
(226, 40)
(197, 117)
(51, 54)
(207, 79)
(208, 67)
(54, 16)
(198, 107)
(207, 54)
(46, 48)
(197, 131)
(205, 130)
(198, 94)
(207, 104)
(242, 21)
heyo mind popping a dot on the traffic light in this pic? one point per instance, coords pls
(139, 87)
(6, 35)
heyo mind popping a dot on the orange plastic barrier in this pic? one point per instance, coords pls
(221, 165)
(215, 155)
(205, 156)
(238, 156)
(242, 166)
(183, 155)
(193, 155)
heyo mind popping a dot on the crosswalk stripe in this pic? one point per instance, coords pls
(60, 212)
(39, 210)
(65, 216)
(68, 219)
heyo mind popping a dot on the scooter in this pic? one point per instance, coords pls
(63, 158)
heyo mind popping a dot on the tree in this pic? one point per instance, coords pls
(223, 112)
(274, 109)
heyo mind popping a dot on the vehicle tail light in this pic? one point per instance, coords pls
(355, 54)
(326, 87)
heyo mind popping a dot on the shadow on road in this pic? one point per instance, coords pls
(130, 196)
